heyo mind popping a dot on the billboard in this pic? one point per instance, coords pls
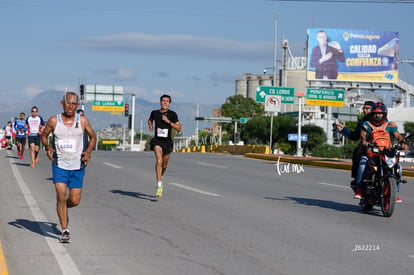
(104, 93)
(352, 55)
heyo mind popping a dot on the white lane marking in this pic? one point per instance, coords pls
(66, 263)
(333, 185)
(194, 189)
(213, 165)
(112, 165)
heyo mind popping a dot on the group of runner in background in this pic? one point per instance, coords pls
(23, 129)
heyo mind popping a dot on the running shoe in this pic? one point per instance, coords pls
(65, 238)
(32, 165)
(158, 193)
(21, 156)
(358, 194)
(37, 159)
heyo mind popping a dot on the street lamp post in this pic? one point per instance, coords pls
(275, 51)
(133, 121)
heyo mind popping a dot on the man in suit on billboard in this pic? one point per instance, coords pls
(324, 57)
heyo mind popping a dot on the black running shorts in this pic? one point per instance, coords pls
(21, 140)
(35, 140)
(165, 144)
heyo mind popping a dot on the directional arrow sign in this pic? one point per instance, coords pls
(294, 137)
(287, 94)
(244, 119)
(325, 97)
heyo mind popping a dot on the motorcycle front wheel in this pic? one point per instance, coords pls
(389, 196)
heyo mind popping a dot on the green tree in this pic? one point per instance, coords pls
(316, 136)
(327, 151)
(349, 148)
(285, 125)
(238, 106)
(257, 129)
(409, 127)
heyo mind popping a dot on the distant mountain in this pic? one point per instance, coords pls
(48, 103)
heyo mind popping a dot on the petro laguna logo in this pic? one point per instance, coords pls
(346, 36)
(370, 37)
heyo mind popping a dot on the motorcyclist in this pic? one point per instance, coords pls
(356, 135)
(378, 118)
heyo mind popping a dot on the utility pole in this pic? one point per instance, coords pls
(133, 121)
(275, 50)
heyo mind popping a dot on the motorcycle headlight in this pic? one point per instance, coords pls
(391, 161)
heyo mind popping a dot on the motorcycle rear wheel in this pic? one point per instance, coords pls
(389, 197)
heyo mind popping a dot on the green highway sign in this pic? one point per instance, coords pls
(287, 94)
(244, 119)
(325, 97)
(108, 106)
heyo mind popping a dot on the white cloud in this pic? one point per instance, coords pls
(174, 94)
(223, 77)
(196, 46)
(138, 91)
(118, 75)
(161, 74)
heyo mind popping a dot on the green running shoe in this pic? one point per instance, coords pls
(158, 193)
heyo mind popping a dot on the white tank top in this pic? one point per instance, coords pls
(68, 144)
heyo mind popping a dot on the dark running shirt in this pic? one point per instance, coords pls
(161, 128)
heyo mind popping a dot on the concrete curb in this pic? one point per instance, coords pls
(321, 162)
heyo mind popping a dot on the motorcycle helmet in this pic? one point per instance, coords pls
(378, 108)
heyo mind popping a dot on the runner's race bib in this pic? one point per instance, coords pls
(67, 145)
(162, 132)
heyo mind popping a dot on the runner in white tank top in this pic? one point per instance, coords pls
(69, 157)
(68, 144)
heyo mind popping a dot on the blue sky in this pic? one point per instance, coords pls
(193, 50)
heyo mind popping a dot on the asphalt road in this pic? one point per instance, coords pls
(220, 214)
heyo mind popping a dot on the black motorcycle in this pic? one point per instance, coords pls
(380, 179)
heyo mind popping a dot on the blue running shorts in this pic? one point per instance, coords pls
(72, 178)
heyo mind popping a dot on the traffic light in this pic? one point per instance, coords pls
(130, 122)
(336, 135)
(236, 138)
(82, 91)
(126, 109)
